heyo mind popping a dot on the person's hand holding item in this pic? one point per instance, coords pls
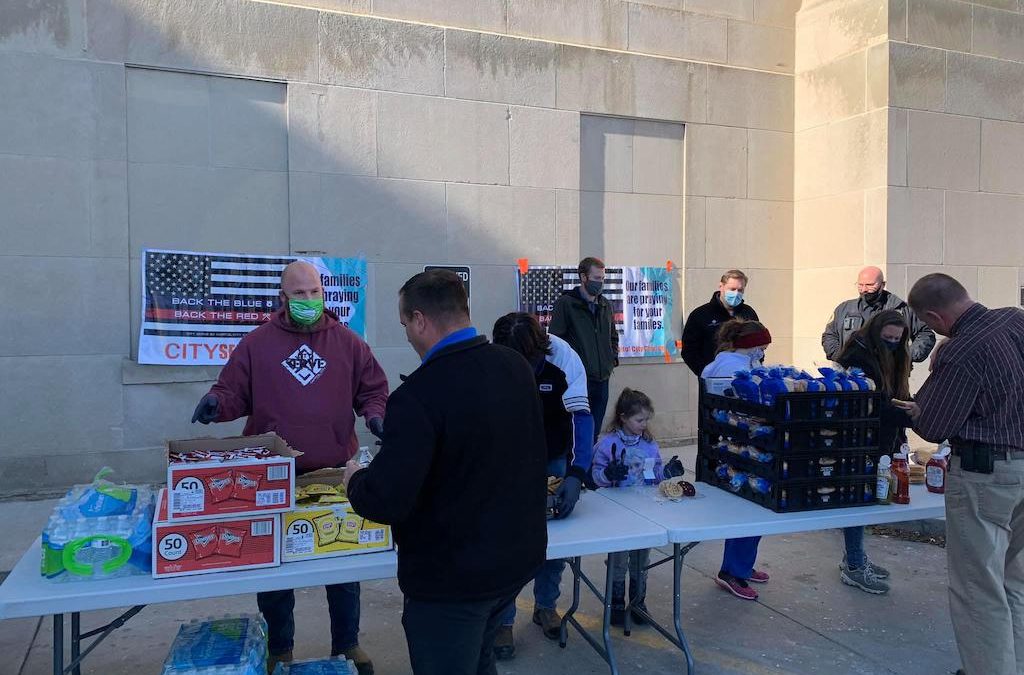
(351, 467)
(616, 470)
(376, 426)
(207, 410)
(912, 408)
(567, 495)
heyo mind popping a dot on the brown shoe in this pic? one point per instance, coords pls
(274, 659)
(362, 660)
(549, 622)
(504, 644)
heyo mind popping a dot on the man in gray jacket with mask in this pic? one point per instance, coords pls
(851, 315)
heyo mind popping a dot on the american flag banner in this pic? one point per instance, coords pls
(543, 284)
(641, 299)
(196, 307)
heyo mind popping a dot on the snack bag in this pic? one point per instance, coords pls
(246, 485)
(350, 527)
(314, 489)
(205, 542)
(773, 384)
(220, 485)
(229, 541)
(747, 386)
(326, 527)
(760, 485)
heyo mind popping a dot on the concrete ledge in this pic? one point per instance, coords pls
(133, 372)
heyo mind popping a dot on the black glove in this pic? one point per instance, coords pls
(376, 426)
(616, 470)
(673, 468)
(566, 496)
(207, 411)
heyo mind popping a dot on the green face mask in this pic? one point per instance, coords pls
(306, 312)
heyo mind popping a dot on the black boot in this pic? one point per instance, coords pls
(637, 603)
(618, 603)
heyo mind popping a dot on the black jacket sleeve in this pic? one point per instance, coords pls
(832, 338)
(387, 491)
(922, 338)
(693, 343)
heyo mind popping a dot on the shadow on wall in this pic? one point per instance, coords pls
(243, 165)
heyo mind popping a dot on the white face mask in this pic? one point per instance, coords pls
(757, 356)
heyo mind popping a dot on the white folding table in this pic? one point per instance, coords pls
(26, 593)
(597, 526)
(717, 514)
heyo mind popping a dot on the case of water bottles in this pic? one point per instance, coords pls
(335, 665)
(791, 450)
(99, 531)
(226, 646)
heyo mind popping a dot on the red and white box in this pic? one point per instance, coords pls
(199, 490)
(183, 548)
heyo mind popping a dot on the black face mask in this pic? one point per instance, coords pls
(872, 297)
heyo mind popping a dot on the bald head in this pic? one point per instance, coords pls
(871, 276)
(939, 300)
(301, 281)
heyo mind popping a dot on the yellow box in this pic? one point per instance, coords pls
(329, 530)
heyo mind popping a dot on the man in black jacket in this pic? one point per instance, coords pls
(700, 330)
(872, 298)
(583, 317)
(461, 476)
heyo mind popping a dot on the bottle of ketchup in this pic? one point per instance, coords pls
(901, 476)
(935, 471)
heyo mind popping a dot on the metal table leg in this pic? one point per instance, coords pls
(679, 552)
(678, 555)
(77, 655)
(76, 645)
(58, 644)
(574, 565)
(603, 650)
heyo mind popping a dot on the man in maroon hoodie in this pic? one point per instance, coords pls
(305, 376)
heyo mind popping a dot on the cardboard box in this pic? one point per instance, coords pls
(329, 530)
(204, 490)
(183, 548)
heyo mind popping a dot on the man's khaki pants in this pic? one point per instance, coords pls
(984, 541)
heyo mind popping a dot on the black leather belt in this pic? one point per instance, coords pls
(998, 451)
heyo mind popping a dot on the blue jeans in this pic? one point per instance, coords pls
(278, 609)
(549, 577)
(634, 563)
(597, 392)
(854, 547)
(740, 555)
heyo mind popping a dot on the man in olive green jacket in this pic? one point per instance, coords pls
(583, 318)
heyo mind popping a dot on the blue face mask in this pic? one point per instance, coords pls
(733, 298)
(892, 346)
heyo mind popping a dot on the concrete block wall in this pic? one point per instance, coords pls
(842, 133)
(956, 167)
(411, 132)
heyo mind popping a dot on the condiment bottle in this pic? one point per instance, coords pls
(901, 476)
(935, 471)
(883, 483)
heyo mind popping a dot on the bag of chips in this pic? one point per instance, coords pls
(229, 541)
